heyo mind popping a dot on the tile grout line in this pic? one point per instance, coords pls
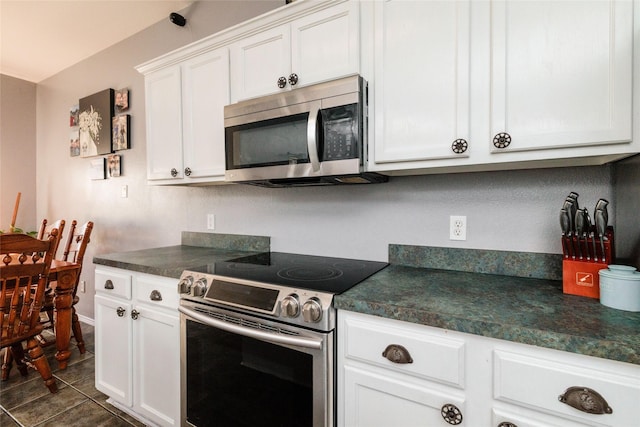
(92, 400)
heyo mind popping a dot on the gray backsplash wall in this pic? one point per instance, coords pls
(514, 211)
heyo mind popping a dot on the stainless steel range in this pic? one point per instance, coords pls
(258, 339)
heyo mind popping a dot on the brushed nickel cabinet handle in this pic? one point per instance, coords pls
(507, 424)
(155, 295)
(187, 171)
(108, 284)
(397, 354)
(586, 400)
(282, 82)
(120, 311)
(135, 314)
(174, 172)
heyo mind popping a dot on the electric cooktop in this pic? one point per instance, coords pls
(326, 274)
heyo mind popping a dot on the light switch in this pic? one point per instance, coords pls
(124, 192)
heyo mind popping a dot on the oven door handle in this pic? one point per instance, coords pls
(306, 342)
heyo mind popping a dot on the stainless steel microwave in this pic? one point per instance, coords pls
(315, 135)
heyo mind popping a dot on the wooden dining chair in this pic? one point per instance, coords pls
(45, 232)
(24, 268)
(74, 250)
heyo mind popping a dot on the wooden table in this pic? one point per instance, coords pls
(65, 274)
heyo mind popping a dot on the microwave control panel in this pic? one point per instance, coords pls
(341, 128)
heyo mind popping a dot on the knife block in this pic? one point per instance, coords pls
(580, 277)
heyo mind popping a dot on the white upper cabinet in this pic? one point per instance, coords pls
(163, 94)
(205, 83)
(488, 85)
(318, 46)
(420, 98)
(561, 73)
(185, 122)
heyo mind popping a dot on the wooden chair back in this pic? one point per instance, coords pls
(24, 265)
(45, 232)
(77, 242)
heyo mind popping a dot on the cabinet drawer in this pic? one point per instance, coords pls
(433, 357)
(114, 282)
(156, 290)
(539, 382)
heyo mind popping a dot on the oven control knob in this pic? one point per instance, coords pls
(184, 287)
(290, 306)
(312, 310)
(200, 287)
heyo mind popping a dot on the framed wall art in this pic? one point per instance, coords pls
(113, 165)
(74, 142)
(122, 100)
(97, 169)
(96, 112)
(120, 137)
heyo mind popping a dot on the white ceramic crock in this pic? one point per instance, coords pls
(620, 287)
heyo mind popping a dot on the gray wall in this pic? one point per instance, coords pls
(515, 211)
(17, 152)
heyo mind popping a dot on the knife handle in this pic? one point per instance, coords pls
(565, 252)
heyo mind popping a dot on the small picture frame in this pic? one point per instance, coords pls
(74, 142)
(97, 168)
(74, 115)
(122, 100)
(114, 165)
(120, 137)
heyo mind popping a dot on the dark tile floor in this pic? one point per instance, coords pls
(26, 401)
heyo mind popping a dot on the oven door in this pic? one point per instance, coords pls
(241, 370)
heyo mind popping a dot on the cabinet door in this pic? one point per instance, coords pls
(164, 124)
(157, 365)
(381, 400)
(561, 73)
(326, 44)
(205, 83)
(113, 338)
(258, 61)
(421, 88)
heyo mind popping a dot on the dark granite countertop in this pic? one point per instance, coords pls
(197, 249)
(506, 295)
(520, 309)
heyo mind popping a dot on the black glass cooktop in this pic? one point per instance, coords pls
(334, 275)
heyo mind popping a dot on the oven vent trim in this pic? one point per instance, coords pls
(245, 322)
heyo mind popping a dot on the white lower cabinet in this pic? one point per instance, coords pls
(137, 342)
(461, 379)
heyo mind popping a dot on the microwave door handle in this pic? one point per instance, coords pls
(312, 140)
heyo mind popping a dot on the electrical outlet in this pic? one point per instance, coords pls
(124, 191)
(211, 222)
(457, 227)
(83, 286)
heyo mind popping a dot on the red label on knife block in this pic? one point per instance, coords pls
(580, 277)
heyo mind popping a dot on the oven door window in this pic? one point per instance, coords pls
(234, 380)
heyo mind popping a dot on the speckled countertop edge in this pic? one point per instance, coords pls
(526, 310)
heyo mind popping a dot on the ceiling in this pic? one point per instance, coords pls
(39, 38)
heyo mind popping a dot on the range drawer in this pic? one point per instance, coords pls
(545, 383)
(433, 356)
(114, 282)
(156, 290)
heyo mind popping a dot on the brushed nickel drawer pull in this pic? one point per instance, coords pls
(397, 354)
(108, 284)
(507, 424)
(586, 400)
